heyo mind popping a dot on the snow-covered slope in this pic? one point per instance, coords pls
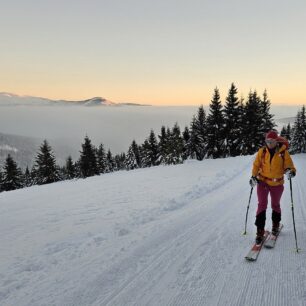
(168, 235)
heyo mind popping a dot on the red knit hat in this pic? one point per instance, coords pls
(271, 135)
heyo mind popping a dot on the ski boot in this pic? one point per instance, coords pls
(275, 228)
(259, 236)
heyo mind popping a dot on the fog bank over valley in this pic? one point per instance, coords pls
(115, 127)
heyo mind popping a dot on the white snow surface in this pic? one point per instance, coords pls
(167, 235)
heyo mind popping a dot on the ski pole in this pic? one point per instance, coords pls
(246, 216)
(292, 208)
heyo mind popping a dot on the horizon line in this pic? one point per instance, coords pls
(141, 103)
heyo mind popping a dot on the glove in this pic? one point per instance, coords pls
(253, 181)
(289, 173)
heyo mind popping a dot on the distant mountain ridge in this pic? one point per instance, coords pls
(10, 99)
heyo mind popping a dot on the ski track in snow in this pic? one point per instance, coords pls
(184, 247)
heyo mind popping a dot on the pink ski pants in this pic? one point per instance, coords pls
(263, 191)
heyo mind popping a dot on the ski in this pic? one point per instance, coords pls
(255, 250)
(270, 242)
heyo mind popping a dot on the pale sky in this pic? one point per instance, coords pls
(160, 52)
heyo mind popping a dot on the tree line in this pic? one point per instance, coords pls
(237, 128)
(297, 133)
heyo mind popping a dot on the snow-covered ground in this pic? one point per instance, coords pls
(168, 235)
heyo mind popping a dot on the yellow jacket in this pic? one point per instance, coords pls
(272, 172)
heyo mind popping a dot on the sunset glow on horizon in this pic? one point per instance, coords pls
(153, 52)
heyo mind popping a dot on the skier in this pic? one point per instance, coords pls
(271, 163)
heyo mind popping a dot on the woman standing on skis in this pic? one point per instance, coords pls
(271, 163)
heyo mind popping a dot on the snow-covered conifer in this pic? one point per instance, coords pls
(186, 137)
(12, 175)
(88, 159)
(27, 178)
(215, 128)
(252, 136)
(267, 122)
(298, 142)
(133, 159)
(120, 162)
(110, 162)
(191, 146)
(70, 169)
(163, 145)
(1, 178)
(175, 146)
(149, 151)
(101, 159)
(197, 141)
(232, 128)
(46, 170)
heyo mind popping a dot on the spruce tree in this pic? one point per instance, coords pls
(27, 178)
(303, 132)
(201, 133)
(88, 159)
(62, 173)
(283, 132)
(232, 128)
(186, 137)
(298, 142)
(215, 128)
(150, 151)
(1, 179)
(193, 142)
(70, 169)
(241, 125)
(12, 175)
(163, 146)
(267, 122)
(33, 174)
(176, 144)
(289, 132)
(252, 121)
(295, 146)
(110, 162)
(133, 159)
(153, 153)
(101, 159)
(286, 132)
(197, 143)
(46, 170)
(144, 149)
(120, 161)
